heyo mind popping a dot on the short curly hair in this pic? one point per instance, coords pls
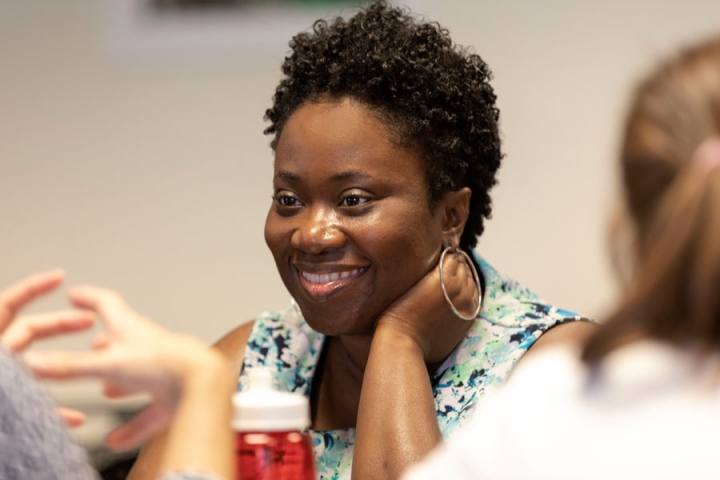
(435, 96)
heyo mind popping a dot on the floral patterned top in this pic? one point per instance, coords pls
(511, 320)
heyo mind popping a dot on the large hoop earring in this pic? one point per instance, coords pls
(476, 277)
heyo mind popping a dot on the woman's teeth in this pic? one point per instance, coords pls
(331, 277)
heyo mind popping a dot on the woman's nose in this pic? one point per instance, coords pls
(318, 231)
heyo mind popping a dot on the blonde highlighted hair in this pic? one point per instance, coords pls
(673, 203)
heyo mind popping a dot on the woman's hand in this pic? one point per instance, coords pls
(181, 373)
(423, 314)
(397, 422)
(133, 355)
(16, 334)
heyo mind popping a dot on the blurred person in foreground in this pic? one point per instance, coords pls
(182, 375)
(640, 399)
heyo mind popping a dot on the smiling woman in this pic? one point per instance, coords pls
(348, 203)
(386, 147)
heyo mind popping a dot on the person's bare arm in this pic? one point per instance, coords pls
(148, 464)
(397, 424)
(205, 390)
(232, 345)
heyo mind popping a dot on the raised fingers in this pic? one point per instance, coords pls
(71, 417)
(151, 419)
(23, 292)
(65, 365)
(110, 390)
(101, 341)
(25, 330)
(108, 303)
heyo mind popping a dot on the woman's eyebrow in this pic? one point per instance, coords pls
(287, 175)
(338, 177)
(350, 175)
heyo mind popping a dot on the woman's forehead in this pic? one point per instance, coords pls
(343, 120)
(344, 138)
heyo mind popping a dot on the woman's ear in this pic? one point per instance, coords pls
(456, 208)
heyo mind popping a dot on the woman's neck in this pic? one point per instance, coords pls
(353, 350)
(337, 383)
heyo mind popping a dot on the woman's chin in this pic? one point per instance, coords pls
(335, 322)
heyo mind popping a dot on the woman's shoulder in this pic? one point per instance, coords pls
(233, 344)
(264, 328)
(281, 330)
(281, 340)
(512, 320)
(509, 304)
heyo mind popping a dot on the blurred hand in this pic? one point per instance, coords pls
(16, 334)
(133, 355)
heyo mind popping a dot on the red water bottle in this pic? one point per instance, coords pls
(271, 443)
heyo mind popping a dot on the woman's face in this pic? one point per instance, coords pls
(350, 226)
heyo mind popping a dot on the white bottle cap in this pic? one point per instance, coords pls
(261, 408)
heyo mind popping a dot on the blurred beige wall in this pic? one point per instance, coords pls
(149, 172)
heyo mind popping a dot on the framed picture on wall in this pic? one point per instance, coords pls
(258, 30)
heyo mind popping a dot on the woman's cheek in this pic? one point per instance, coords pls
(276, 232)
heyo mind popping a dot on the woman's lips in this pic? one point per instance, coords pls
(321, 284)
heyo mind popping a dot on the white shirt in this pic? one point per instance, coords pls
(650, 411)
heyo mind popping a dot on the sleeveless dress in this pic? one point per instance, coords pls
(512, 318)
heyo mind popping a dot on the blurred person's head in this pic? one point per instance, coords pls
(670, 166)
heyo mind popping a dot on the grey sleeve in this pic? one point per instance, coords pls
(34, 442)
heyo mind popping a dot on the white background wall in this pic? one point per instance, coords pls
(148, 172)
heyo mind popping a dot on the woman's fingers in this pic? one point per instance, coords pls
(23, 292)
(109, 304)
(25, 330)
(66, 365)
(111, 390)
(101, 341)
(151, 419)
(72, 418)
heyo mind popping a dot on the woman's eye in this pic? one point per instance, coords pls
(353, 201)
(286, 200)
